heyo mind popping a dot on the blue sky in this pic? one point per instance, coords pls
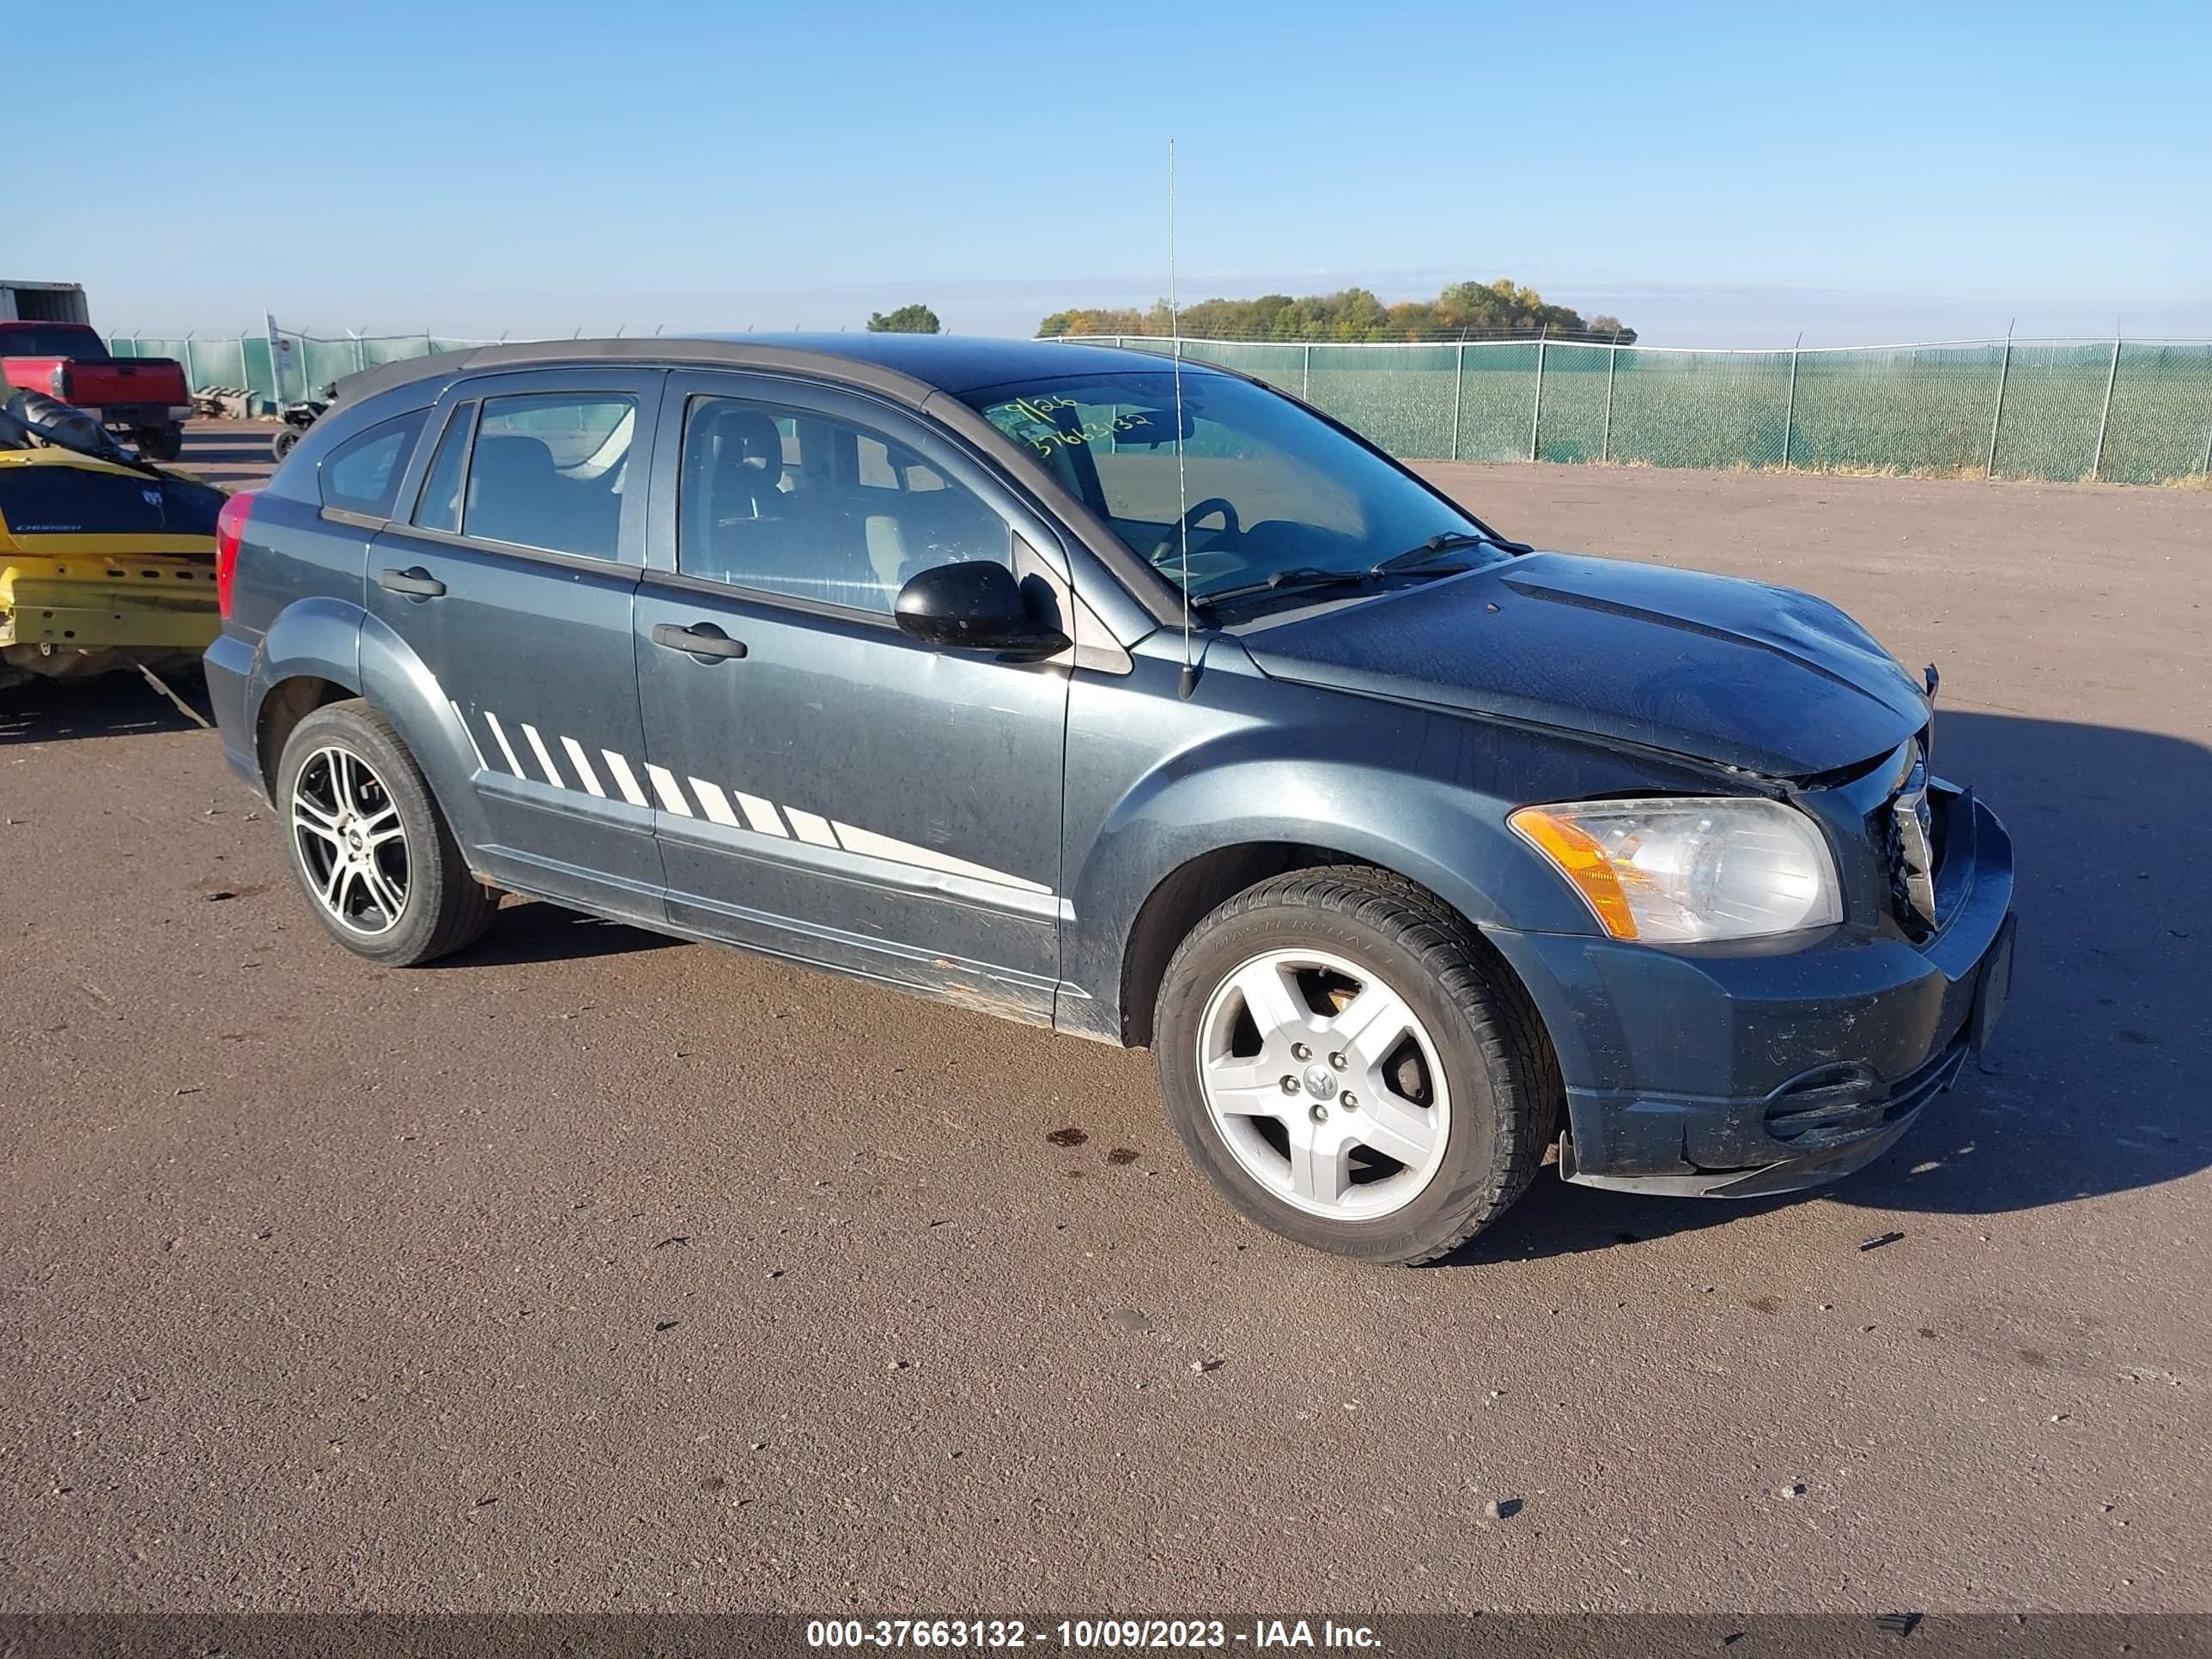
(1723, 175)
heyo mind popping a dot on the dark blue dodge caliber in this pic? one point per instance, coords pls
(1157, 708)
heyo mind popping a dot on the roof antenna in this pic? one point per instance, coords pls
(1188, 682)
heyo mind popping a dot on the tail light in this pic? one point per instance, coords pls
(229, 531)
(57, 382)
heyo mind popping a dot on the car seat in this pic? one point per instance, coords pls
(511, 485)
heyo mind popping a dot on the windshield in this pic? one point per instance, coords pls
(1272, 490)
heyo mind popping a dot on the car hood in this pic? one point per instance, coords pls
(1764, 679)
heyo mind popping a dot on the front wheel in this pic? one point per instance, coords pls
(1346, 1062)
(380, 869)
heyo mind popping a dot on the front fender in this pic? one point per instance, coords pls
(1420, 792)
(1452, 842)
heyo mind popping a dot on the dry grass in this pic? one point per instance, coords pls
(2194, 481)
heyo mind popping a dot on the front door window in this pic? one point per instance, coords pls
(787, 502)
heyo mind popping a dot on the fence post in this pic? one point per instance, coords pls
(1459, 383)
(1997, 415)
(191, 373)
(1536, 404)
(1305, 376)
(275, 361)
(1611, 360)
(2207, 468)
(2097, 466)
(1790, 408)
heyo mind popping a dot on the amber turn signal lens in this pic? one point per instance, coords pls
(1578, 857)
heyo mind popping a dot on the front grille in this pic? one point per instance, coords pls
(1908, 828)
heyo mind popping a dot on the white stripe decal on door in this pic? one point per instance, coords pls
(545, 758)
(583, 765)
(716, 803)
(505, 747)
(469, 732)
(663, 785)
(900, 852)
(761, 816)
(625, 779)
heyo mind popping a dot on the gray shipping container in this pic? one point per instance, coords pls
(43, 302)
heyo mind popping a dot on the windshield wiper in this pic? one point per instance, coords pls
(1295, 580)
(1448, 541)
(1300, 577)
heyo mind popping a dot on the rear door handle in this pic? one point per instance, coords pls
(416, 582)
(704, 639)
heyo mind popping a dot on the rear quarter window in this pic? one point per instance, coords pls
(362, 474)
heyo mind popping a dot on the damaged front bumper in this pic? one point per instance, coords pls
(1745, 1072)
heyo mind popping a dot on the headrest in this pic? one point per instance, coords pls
(747, 437)
(512, 463)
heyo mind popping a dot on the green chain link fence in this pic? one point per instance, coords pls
(2122, 412)
(2126, 413)
(279, 365)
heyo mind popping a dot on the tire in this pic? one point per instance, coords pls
(160, 443)
(1472, 1046)
(359, 780)
(284, 443)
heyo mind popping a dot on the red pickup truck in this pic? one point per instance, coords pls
(144, 397)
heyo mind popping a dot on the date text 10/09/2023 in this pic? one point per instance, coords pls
(1120, 1634)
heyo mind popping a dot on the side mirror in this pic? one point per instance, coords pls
(976, 605)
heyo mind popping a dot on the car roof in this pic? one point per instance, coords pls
(908, 366)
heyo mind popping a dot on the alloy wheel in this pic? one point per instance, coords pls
(352, 845)
(1324, 1083)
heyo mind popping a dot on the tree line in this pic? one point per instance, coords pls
(1463, 311)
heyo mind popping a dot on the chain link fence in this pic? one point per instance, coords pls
(2119, 411)
(2125, 412)
(277, 365)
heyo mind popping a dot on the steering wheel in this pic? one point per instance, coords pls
(1170, 545)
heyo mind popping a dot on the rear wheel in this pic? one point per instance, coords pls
(284, 443)
(1347, 1063)
(380, 868)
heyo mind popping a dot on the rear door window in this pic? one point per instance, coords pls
(548, 471)
(362, 474)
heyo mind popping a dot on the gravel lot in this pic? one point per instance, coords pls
(591, 1270)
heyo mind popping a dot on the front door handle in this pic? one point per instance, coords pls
(703, 639)
(415, 581)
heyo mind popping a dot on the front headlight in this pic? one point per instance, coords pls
(1672, 871)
